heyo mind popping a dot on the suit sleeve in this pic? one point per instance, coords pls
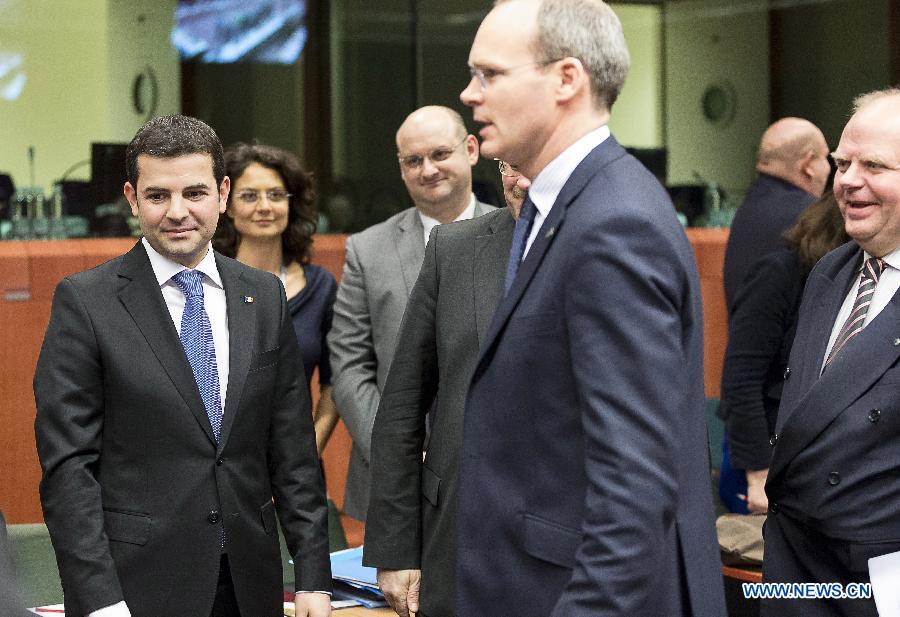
(394, 520)
(354, 366)
(625, 302)
(757, 329)
(68, 388)
(297, 485)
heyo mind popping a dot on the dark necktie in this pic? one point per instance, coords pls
(871, 271)
(197, 340)
(520, 238)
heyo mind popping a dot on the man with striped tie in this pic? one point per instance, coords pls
(834, 479)
(173, 421)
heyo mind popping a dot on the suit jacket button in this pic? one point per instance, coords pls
(773, 439)
(875, 415)
(213, 517)
(834, 478)
(773, 508)
(219, 462)
(787, 373)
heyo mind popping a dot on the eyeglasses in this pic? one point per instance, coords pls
(487, 76)
(414, 161)
(273, 195)
(508, 169)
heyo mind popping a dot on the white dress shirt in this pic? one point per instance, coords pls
(887, 286)
(546, 186)
(429, 223)
(214, 302)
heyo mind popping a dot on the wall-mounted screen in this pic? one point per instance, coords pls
(225, 31)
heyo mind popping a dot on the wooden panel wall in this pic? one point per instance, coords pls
(30, 271)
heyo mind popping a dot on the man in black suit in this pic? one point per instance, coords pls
(834, 478)
(584, 467)
(793, 167)
(172, 416)
(411, 523)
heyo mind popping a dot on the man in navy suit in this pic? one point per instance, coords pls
(834, 478)
(584, 479)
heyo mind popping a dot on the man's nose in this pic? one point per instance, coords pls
(471, 95)
(428, 167)
(177, 208)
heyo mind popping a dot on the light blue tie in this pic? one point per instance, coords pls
(520, 238)
(197, 340)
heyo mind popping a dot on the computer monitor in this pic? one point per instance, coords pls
(107, 172)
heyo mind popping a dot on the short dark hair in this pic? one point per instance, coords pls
(296, 241)
(171, 136)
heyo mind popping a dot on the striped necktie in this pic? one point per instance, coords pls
(197, 340)
(872, 269)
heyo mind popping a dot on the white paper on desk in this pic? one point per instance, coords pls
(52, 610)
(884, 572)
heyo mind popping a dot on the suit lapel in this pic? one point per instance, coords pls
(241, 335)
(408, 238)
(489, 271)
(142, 298)
(600, 156)
(860, 365)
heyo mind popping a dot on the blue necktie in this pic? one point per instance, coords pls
(197, 340)
(520, 237)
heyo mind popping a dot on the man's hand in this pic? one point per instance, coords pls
(311, 604)
(757, 502)
(401, 589)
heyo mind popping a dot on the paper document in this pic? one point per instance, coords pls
(884, 572)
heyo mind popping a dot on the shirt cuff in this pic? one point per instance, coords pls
(327, 593)
(119, 609)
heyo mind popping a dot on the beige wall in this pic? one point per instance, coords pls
(79, 59)
(716, 42)
(637, 115)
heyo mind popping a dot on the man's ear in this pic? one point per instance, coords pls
(224, 189)
(805, 165)
(131, 196)
(472, 149)
(572, 78)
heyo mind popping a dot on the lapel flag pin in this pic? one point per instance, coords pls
(896, 342)
(248, 299)
(550, 233)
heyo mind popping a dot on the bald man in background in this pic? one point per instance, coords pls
(793, 168)
(436, 155)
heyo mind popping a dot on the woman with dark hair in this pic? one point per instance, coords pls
(760, 335)
(268, 224)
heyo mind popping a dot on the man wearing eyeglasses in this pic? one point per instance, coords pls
(584, 469)
(436, 156)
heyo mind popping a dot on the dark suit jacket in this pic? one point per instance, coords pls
(770, 207)
(760, 334)
(836, 463)
(584, 472)
(135, 490)
(412, 509)
(380, 269)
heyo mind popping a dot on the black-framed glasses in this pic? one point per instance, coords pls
(250, 197)
(508, 169)
(487, 76)
(415, 161)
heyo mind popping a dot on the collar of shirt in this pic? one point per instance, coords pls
(429, 223)
(164, 268)
(892, 259)
(546, 186)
